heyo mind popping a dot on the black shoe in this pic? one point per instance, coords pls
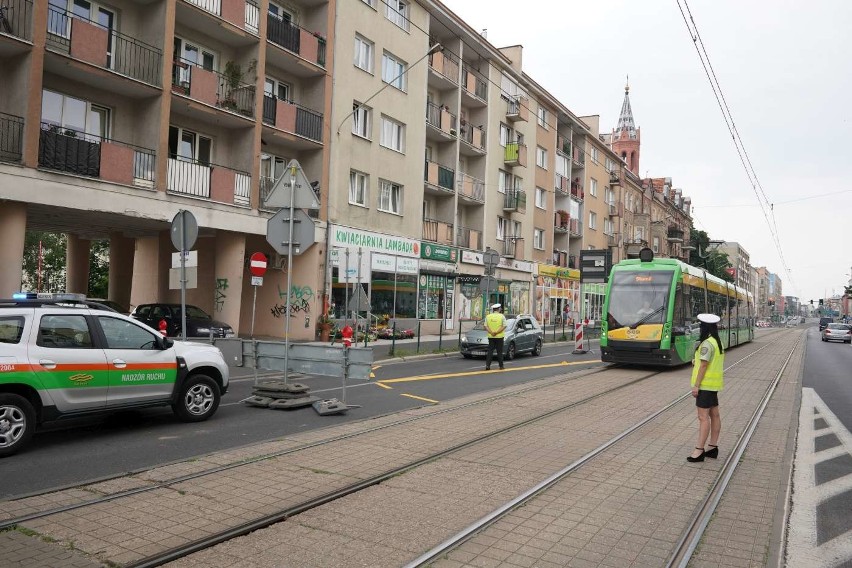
(699, 458)
(714, 453)
(487, 368)
(501, 367)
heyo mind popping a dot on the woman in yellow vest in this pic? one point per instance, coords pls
(708, 367)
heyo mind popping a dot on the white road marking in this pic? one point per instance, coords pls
(802, 547)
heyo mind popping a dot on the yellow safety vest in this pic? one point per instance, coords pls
(714, 379)
(493, 322)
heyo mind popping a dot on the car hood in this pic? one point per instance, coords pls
(185, 347)
(207, 322)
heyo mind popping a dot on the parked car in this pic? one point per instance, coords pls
(523, 335)
(824, 322)
(54, 366)
(111, 304)
(837, 332)
(198, 322)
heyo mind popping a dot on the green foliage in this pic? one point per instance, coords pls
(713, 261)
(99, 270)
(53, 247)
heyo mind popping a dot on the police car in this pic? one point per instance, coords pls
(62, 356)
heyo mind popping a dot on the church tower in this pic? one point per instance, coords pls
(625, 138)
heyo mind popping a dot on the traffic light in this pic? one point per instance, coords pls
(812, 302)
(820, 301)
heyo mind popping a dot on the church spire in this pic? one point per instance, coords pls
(626, 127)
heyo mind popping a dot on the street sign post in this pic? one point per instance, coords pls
(257, 267)
(279, 195)
(490, 258)
(278, 231)
(184, 234)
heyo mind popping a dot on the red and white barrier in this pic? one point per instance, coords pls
(580, 346)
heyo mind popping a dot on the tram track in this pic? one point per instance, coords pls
(319, 500)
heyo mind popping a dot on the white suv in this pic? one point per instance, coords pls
(61, 358)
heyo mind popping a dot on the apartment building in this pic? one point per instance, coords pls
(740, 263)
(761, 298)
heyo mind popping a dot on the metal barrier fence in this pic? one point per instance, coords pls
(16, 18)
(11, 137)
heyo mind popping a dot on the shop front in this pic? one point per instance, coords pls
(557, 294)
(512, 289)
(436, 293)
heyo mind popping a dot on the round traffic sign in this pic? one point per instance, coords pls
(257, 264)
(490, 258)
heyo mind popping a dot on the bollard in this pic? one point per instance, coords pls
(418, 336)
(440, 334)
(393, 340)
(579, 342)
(460, 327)
(554, 333)
(563, 327)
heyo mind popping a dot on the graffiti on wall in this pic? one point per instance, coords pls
(219, 295)
(300, 301)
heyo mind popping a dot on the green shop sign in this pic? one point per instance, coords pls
(438, 252)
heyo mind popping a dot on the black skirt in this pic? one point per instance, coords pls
(707, 399)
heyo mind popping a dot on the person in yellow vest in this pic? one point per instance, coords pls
(495, 325)
(708, 368)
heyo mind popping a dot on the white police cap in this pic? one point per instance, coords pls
(709, 318)
(495, 307)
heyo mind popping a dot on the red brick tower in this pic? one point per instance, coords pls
(625, 137)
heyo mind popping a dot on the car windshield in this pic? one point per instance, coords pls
(638, 297)
(194, 312)
(842, 326)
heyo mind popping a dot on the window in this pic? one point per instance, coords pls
(640, 233)
(361, 119)
(370, 3)
(541, 157)
(610, 165)
(608, 227)
(11, 329)
(506, 134)
(540, 198)
(64, 332)
(192, 54)
(77, 115)
(593, 187)
(390, 197)
(504, 181)
(502, 225)
(122, 334)
(538, 239)
(393, 71)
(393, 134)
(593, 220)
(595, 155)
(398, 12)
(358, 183)
(542, 117)
(363, 54)
(189, 146)
(277, 89)
(280, 13)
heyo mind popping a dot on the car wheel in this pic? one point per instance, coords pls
(537, 349)
(17, 422)
(510, 352)
(199, 398)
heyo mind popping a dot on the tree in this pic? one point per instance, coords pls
(99, 270)
(713, 261)
(52, 249)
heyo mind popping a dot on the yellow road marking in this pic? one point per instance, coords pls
(469, 373)
(420, 398)
(383, 386)
(376, 367)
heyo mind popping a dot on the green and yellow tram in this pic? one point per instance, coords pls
(651, 308)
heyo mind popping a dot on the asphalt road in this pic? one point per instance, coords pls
(79, 451)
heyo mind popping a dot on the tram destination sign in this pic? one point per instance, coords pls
(595, 265)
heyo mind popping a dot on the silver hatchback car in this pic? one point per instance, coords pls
(523, 335)
(837, 332)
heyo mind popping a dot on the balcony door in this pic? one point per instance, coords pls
(191, 54)
(60, 13)
(71, 132)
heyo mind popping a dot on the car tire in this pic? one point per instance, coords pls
(17, 423)
(537, 349)
(511, 351)
(198, 399)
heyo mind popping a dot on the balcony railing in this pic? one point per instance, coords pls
(89, 41)
(614, 209)
(472, 187)
(561, 221)
(441, 176)
(469, 238)
(513, 247)
(11, 137)
(562, 184)
(437, 231)
(515, 200)
(211, 87)
(577, 190)
(473, 135)
(613, 240)
(560, 258)
(575, 227)
(300, 41)
(209, 181)
(292, 117)
(440, 117)
(517, 108)
(474, 84)
(16, 18)
(563, 145)
(69, 151)
(446, 64)
(578, 157)
(515, 154)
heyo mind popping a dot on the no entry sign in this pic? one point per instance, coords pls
(257, 264)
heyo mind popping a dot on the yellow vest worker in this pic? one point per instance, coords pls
(707, 380)
(495, 324)
(714, 379)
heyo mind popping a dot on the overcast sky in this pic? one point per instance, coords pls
(785, 69)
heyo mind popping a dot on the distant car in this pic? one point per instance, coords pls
(824, 322)
(198, 322)
(523, 335)
(111, 304)
(837, 332)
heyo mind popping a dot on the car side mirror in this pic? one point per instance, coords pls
(165, 343)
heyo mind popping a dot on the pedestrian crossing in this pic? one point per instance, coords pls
(820, 526)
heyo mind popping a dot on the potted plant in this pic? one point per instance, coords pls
(325, 325)
(233, 75)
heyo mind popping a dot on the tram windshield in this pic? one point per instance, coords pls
(638, 298)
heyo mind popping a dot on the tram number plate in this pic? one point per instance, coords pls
(632, 333)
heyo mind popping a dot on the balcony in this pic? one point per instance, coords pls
(474, 88)
(11, 137)
(209, 181)
(442, 121)
(515, 154)
(73, 152)
(446, 69)
(471, 189)
(578, 157)
(308, 45)
(613, 240)
(560, 258)
(242, 13)
(437, 231)
(577, 190)
(103, 47)
(469, 238)
(292, 117)
(212, 88)
(518, 108)
(513, 247)
(675, 235)
(561, 221)
(17, 19)
(473, 138)
(439, 179)
(563, 185)
(515, 200)
(563, 145)
(575, 227)
(615, 209)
